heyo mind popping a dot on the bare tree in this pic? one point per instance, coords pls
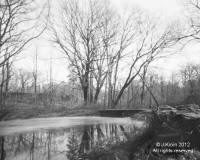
(5, 79)
(25, 78)
(18, 26)
(146, 45)
(106, 57)
(190, 79)
(83, 39)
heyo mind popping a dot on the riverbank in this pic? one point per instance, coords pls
(26, 111)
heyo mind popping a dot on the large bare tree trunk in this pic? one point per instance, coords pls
(91, 98)
(96, 95)
(85, 94)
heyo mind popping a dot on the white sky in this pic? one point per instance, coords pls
(169, 10)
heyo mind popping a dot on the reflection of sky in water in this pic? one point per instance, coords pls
(52, 144)
(21, 126)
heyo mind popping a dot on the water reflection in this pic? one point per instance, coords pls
(71, 143)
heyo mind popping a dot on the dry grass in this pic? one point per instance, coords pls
(25, 111)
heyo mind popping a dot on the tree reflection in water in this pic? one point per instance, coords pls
(71, 144)
(2, 151)
(96, 141)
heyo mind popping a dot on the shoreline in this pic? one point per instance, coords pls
(35, 112)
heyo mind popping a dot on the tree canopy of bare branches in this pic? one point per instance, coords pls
(84, 37)
(18, 26)
(99, 43)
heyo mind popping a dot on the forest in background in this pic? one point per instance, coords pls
(181, 88)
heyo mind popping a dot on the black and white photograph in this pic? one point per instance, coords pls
(99, 79)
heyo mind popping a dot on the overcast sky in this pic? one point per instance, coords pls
(169, 10)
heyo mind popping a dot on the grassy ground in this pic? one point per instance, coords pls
(25, 111)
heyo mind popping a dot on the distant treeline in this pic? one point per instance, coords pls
(182, 87)
(44, 98)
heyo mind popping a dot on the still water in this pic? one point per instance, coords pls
(63, 138)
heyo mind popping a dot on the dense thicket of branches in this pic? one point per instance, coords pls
(181, 88)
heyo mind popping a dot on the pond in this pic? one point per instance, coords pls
(64, 137)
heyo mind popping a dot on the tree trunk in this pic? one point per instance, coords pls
(91, 89)
(142, 94)
(2, 152)
(105, 92)
(2, 86)
(110, 91)
(96, 95)
(85, 94)
(116, 101)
